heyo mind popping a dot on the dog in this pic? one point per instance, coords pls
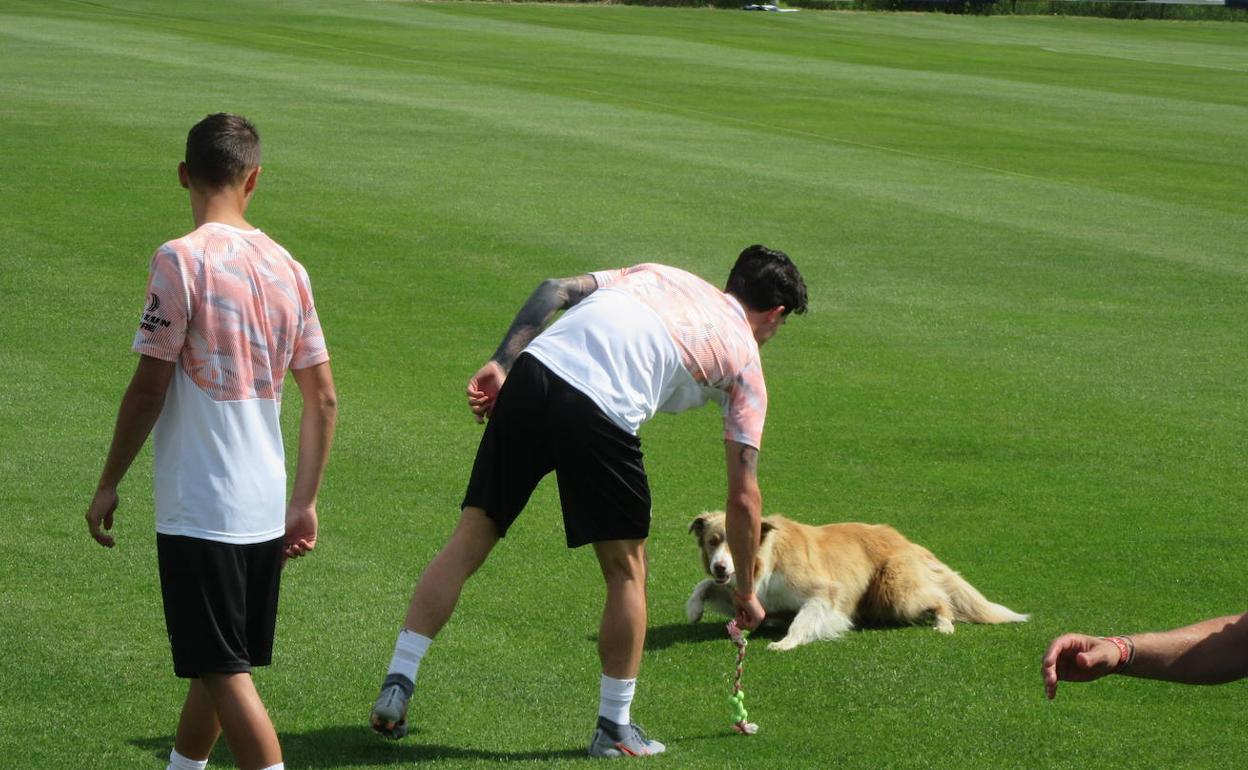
(838, 575)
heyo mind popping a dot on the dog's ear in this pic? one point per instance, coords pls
(699, 524)
(767, 527)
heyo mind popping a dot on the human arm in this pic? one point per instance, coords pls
(1210, 652)
(551, 296)
(316, 435)
(743, 522)
(140, 408)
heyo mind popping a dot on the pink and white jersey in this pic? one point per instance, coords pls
(234, 311)
(655, 338)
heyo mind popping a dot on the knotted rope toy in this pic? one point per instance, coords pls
(737, 699)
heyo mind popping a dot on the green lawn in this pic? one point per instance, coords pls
(1027, 256)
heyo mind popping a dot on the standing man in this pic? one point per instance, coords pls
(229, 312)
(634, 341)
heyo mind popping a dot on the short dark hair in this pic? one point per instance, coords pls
(221, 149)
(764, 278)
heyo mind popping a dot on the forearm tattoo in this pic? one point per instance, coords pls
(551, 296)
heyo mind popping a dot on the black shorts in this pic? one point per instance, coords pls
(542, 424)
(220, 603)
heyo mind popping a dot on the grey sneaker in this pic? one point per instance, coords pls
(391, 707)
(612, 740)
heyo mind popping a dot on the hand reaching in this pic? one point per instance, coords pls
(1077, 658)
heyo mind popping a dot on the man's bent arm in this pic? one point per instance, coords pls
(140, 408)
(551, 296)
(744, 525)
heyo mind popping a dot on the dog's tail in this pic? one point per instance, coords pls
(970, 606)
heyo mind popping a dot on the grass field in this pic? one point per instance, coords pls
(1027, 255)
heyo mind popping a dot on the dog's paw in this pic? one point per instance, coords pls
(694, 609)
(783, 645)
(943, 626)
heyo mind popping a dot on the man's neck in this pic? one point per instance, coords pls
(225, 206)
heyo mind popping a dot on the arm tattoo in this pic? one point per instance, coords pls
(551, 296)
(749, 458)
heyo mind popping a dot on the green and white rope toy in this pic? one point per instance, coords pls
(737, 699)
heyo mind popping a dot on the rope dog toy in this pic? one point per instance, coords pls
(737, 699)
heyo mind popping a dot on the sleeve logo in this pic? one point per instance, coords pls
(152, 322)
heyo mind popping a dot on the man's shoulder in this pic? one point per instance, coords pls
(662, 274)
(267, 245)
(664, 269)
(183, 244)
(274, 250)
(177, 252)
(188, 245)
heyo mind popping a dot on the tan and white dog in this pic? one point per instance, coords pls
(834, 576)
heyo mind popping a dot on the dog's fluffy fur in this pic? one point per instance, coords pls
(834, 576)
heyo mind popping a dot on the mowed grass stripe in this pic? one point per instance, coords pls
(932, 185)
(705, 59)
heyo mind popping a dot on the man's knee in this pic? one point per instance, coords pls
(622, 560)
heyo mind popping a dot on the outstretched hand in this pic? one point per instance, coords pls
(483, 389)
(100, 516)
(300, 531)
(1077, 658)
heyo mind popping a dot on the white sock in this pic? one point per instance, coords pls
(616, 698)
(179, 762)
(408, 650)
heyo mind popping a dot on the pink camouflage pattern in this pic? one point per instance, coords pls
(234, 310)
(715, 341)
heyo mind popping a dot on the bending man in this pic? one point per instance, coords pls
(634, 342)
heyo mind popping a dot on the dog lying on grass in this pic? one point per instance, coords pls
(831, 577)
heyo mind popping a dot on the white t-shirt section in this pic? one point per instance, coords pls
(616, 350)
(212, 454)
